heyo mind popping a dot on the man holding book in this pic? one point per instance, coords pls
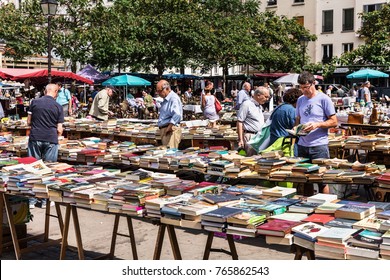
(171, 114)
(316, 111)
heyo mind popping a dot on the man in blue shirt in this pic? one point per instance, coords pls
(243, 94)
(64, 99)
(171, 114)
(316, 111)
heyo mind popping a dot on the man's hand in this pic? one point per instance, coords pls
(311, 126)
(110, 113)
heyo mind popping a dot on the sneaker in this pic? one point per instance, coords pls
(43, 203)
(32, 202)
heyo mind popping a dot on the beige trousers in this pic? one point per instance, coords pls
(171, 139)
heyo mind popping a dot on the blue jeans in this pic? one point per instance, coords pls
(313, 152)
(43, 150)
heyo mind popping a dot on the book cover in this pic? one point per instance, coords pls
(322, 198)
(221, 214)
(319, 218)
(276, 227)
(309, 230)
(336, 235)
(218, 198)
(303, 207)
(279, 191)
(341, 223)
(355, 211)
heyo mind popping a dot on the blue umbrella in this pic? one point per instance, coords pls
(367, 74)
(127, 80)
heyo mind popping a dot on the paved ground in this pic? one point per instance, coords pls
(96, 229)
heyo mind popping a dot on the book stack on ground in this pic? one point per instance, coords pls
(216, 220)
(305, 235)
(364, 244)
(332, 243)
(384, 248)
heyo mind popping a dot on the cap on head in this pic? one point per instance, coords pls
(112, 88)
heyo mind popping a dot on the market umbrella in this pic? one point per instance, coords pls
(367, 74)
(292, 79)
(126, 80)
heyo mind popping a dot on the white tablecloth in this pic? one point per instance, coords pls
(193, 108)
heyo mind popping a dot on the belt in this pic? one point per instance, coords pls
(250, 132)
(163, 126)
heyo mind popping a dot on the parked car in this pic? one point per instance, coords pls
(337, 90)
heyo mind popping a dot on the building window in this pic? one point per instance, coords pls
(372, 8)
(272, 2)
(327, 53)
(348, 19)
(300, 20)
(347, 47)
(299, 1)
(327, 21)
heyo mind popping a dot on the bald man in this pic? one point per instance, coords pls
(171, 114)
(45, 117)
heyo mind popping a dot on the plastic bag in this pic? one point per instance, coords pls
(261, 140)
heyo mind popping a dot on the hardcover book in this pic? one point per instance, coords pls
(221, 214)
(341, 223)
(309, 230)
(276, 227)
(322, 198)
(336, 235)
(319, 218)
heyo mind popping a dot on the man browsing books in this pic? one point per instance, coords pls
(171, 113)
(316, 111)
(45, 118)
(250, 118)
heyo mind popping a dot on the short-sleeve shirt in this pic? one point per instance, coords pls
(316, 109)
(251, 115)
(46, 114)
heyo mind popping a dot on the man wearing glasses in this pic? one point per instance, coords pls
(171, 113)
(250, 118)
(316, 111)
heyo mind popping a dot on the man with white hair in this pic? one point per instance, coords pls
(329, 91)
(250, 118)
(243, 94)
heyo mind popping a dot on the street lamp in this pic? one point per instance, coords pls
(304, 41)
(49, 9)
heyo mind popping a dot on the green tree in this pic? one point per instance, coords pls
(22, 29)
(278, 41)
(376, 34)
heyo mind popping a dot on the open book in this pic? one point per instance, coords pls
(298, 130)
